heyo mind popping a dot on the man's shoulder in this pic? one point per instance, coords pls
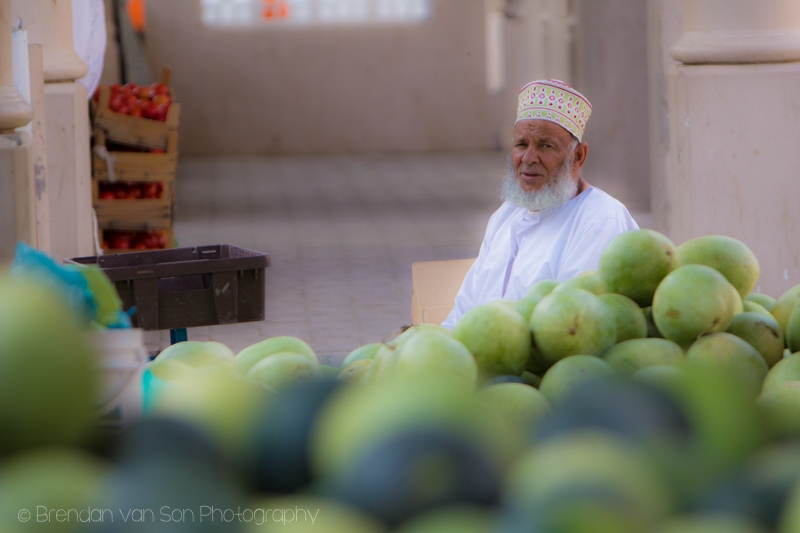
(597, 195)
(595, 207)
(600, 202)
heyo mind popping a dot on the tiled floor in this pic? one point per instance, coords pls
(341, 232)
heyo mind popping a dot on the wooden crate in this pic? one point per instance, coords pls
(103, 233)
(130, 130)
(138, 213)
(115, 165)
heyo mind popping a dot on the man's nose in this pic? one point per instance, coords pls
(530, 156)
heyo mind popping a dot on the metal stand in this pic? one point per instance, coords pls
(178, 335)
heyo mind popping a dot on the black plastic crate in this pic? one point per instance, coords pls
(187, 287)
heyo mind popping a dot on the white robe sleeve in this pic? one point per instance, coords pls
(467, 294)
(584, 252)
(465, 298)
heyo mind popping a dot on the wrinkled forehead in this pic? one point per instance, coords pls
(542, 129)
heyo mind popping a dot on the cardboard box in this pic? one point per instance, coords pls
(434, 285)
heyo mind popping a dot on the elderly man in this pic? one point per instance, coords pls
(552, 223)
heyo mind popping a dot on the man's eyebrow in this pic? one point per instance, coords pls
(538, 138)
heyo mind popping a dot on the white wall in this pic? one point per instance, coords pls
(399, 88)
(328, 89)
(611, 70)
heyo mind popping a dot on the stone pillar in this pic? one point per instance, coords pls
(543, 40)
(734, 124)
(50, 24)
(739, 31)
(539, 46)
(17, 221)
(38, 134)
(68, 158)
(611, 70)
(15, 111)
(664, 27)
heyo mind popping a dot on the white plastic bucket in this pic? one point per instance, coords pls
(123, 359)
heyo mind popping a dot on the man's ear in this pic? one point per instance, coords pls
(581, 151)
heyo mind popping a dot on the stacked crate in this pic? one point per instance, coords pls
(134, 165)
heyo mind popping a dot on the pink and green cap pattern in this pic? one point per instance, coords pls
(557, 102)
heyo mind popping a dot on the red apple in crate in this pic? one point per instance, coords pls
(160, 99)
(119, 241)
(150, 110)
(144, 92)
(150, 190)
(160, 88)
(163, 109)
(136, 109)
(148, 101)
(138, 240)
(147, 240)
(115, 102)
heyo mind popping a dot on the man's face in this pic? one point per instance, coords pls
(540, 149)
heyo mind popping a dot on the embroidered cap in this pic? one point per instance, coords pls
(556, 101)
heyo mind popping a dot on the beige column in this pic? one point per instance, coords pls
(49, 23)
(543, 41)
(15, 111)
(611, 70)
(539, 46)
(664, 28)
(17, 222)
(66, 124)
(38, 133)
(739, 31)
(734, 121)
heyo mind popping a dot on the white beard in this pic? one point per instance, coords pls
(558, 191)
